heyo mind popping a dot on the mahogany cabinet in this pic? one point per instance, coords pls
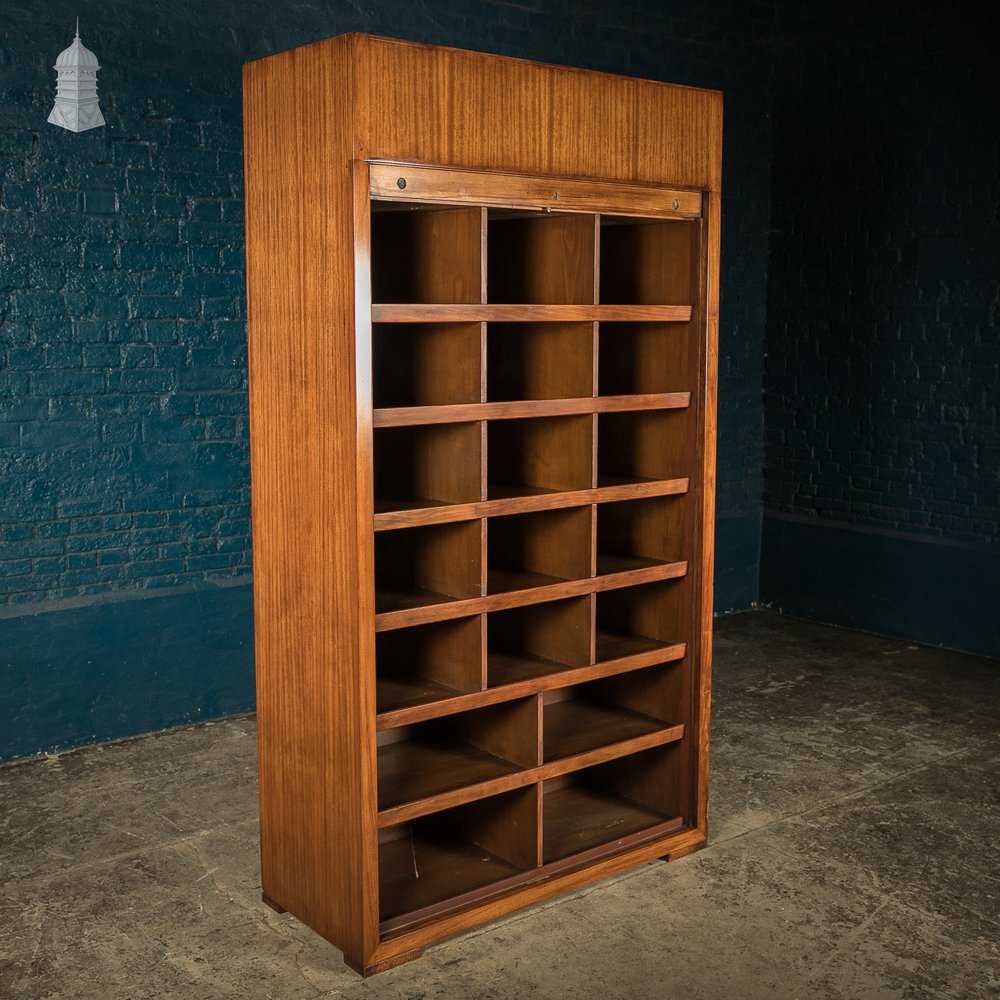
(482, 322)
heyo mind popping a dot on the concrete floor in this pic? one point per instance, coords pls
(855, 853)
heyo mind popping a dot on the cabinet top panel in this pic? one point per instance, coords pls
(431, 104)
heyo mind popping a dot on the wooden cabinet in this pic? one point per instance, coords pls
(482, 315)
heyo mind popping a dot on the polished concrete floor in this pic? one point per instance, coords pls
(855, 853)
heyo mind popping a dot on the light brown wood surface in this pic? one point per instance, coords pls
(506, 367)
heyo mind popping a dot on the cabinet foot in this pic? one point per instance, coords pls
(388, 963)
(277, 907)
(683, 852)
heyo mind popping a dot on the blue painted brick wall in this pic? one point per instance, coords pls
(123, 427)
(883, 359)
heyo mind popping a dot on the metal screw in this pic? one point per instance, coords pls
(401, 183)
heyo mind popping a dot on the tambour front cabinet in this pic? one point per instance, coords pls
(482, 319)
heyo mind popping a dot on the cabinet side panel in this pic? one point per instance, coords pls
(310, 566)
(447, 106)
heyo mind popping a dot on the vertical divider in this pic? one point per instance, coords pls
(537, 787)
(592, 598)
(483, 444)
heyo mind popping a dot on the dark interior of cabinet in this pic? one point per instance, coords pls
(601, 804)
(426, 364)
(538, 257)
(529, 642)
(647, 262)
(546, 454)
(636, 533)
(530, 550)
(425, 254)
(429, 758)
(639, 358)
(650, 444)
(425, 663)
(607, 711)
(425, 466)
(458, 851)
(423, 566)
(539, 361)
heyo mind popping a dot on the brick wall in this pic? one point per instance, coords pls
(123, 429)
(883, 364)
(883, 357)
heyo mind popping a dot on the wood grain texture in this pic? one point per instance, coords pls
(406, 416)
(437, 513)
(314, 118)
(441, 702)
(434, 184)
(312, 592)
(417, 312)
(534, 594)
(433, 105)
(455, 775)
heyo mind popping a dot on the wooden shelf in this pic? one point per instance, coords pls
(388, 601)
(406, 416)
(417, 872)
(506, 669)
(575, 726)
(514, 676)
(611, 562)
(396, 694)
(616, 646)
(404, 512)
(410, 771)
(482, 313)
(577, 819)
(456, 608)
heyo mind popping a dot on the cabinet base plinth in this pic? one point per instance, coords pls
(277, 907)
(388, 963)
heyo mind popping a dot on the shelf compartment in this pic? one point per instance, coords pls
(425, 665)
(637, 533)
(533, 550)
(647, 262)
(417, 467)
(424, 254)
(641, 358)
(440, 862)
(601, 806)
(549, 454)
(526, 503)
(438, 312)
(540, 258)
(418, 567)
(651, 612)
(426, 364)
(539, 361)
(526, 643)
(605, 714)
(641, 446)
(432, 765)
